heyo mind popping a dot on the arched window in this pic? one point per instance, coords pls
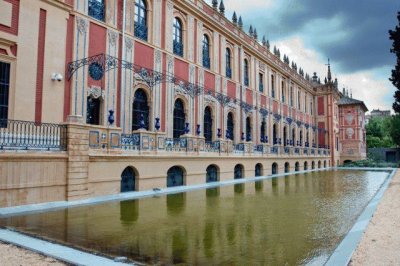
(141, 19)
(305, 166)
(128, 180)
(312, 165)
(274, 135)
(228, 63)
(274, 168)
(263, 137)
(96, 9)
(248, 129)
(178, 38)
(258, 169)
(212, 174)
(208, 134)
(140, 108)
(179, 119)
(297, 166)
(230, 127)
(175, 177)
(93, 111)
(246, 72)
(319, 164)
(324, 164)
(283, 91)
(238, 171)
(206, 51)
(287, 167)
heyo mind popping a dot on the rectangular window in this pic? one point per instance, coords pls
(96, 9)
(261, 82)
(272, 86)
(305, 103)
(283, 91)
(291, 96)
(298, 100)
(311, 107)
(4, 92)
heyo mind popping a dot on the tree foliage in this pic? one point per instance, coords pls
(395, 129)
(394, 35)
(379, 132)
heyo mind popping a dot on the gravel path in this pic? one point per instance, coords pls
(380, 244)
(11, 255)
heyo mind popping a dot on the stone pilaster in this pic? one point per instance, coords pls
(78, 159)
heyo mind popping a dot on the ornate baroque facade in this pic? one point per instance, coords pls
(144, 82)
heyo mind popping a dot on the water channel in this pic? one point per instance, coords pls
(292, 220)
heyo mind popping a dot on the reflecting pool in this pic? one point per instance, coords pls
(292, 220)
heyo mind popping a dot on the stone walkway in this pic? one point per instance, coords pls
(11, 255)
(380, 244)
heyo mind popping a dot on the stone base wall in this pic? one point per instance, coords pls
(151, 171)
(32, 177)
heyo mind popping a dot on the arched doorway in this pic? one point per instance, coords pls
(212, 174)
(140, 108)
(293, 137)
(128, 180)
(238, 171)
(324, 164)
(274, 168)
(301, 138)
(208, 124)
(175, 176)
(297, 166)
(248, 128)
(179, 118)
(258, 169)
(305, 166)
(284, 136)
(287, 167)
(93, 111)
(319, 164)
(312, 165)
(230, 127)
(263, 131)
(274, 134)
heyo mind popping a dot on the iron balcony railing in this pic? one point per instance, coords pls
(25, 135)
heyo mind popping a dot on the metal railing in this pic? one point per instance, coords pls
(25, 135)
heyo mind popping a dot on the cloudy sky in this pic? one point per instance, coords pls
(352, 33)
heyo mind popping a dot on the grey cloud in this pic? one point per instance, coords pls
(367, 21)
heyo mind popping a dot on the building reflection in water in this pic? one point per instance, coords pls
(176, 203)
(239, 188)
(259, 186)
(129, 211)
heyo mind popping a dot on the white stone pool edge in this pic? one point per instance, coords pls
(344, 251)
(341, 255)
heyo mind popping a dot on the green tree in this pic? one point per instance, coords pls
(374, 128)
(394, 35)
(395, 129)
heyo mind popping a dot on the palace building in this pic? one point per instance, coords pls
(99, 97)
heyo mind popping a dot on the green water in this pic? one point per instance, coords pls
(290, 220)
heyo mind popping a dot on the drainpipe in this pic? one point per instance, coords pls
(123, 56)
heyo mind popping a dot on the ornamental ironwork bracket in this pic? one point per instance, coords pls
(264, 112)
